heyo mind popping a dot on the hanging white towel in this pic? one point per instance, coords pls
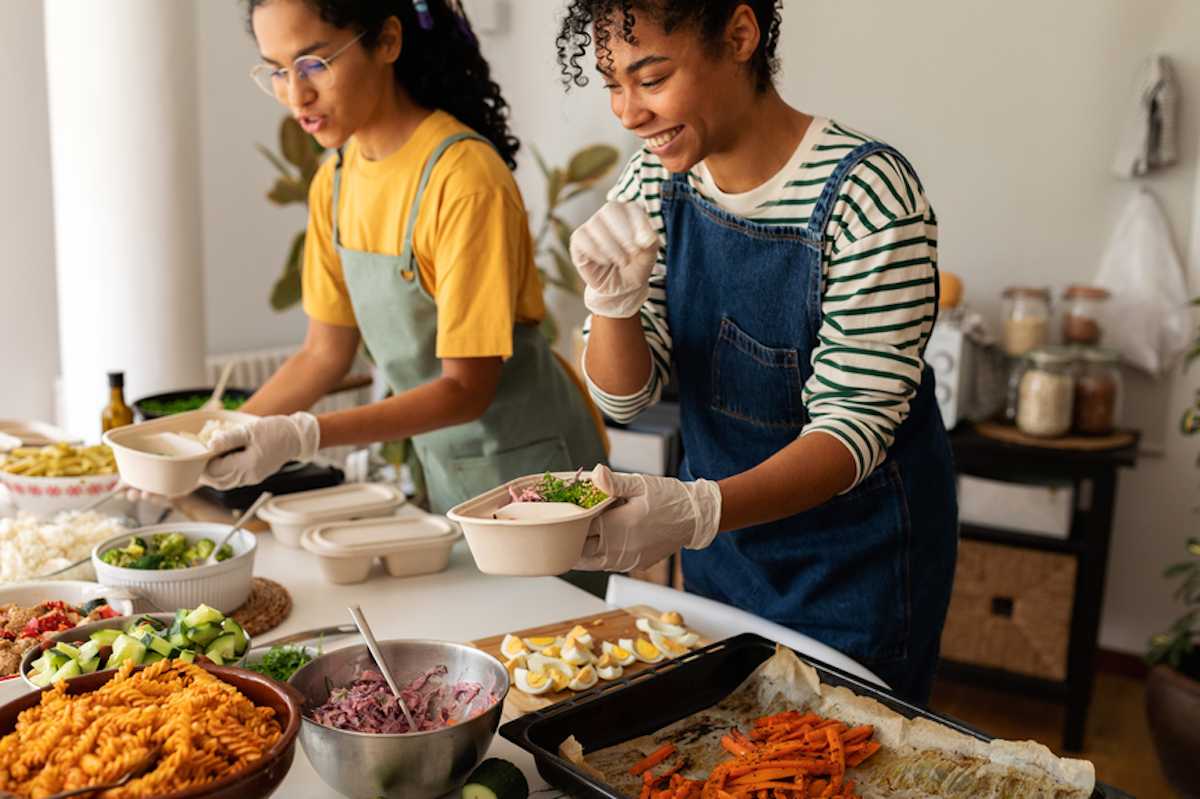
(1148, 142)
(1149, 318)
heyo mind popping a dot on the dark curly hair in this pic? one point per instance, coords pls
(708, 17)
(440, 66)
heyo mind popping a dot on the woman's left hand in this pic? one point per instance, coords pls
(268, 442)
(659, 516)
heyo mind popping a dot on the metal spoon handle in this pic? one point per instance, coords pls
(245, 517)
(365, 630)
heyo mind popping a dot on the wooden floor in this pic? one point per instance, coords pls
(1118, 739)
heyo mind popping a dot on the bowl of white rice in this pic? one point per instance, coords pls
(31, 548)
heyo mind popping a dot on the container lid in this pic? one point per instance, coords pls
(1031, 292)
(1085, 292)
(378, 536)
(328, 504)
(1051, 356)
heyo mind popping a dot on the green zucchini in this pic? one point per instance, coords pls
(496, 779)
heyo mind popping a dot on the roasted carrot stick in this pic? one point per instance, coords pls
(653, 759)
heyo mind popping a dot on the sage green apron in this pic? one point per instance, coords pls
(538, 420)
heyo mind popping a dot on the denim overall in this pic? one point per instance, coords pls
(869, 572)
(538, 420)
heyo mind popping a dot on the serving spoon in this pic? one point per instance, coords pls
(365, 630)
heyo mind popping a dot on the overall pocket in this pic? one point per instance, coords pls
(468, 477)
(755, 383)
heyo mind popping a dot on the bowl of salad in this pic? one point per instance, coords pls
(163, 562)
(170, 403)
(532, 526)
(196, 635)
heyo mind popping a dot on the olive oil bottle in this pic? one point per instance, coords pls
(116, 413)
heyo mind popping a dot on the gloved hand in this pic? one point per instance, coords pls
(269, 442)
(614, 253)
(659, 516)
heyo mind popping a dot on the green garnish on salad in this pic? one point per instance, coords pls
(576, 491)
(163, 551)
(281, 662)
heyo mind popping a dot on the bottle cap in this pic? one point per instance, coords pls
(116, 380)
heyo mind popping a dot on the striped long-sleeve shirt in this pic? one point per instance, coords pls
(880, 269)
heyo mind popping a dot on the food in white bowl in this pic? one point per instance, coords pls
(224, 585)
(167, 456)
(511, 532)
(30, 548)
(57, 477)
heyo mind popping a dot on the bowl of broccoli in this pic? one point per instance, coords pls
(165, 563)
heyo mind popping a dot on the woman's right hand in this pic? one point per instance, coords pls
(614, 252)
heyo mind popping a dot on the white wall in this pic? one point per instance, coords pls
(28, 320)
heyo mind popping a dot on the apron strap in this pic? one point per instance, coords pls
(819, 220)
(337, 190)
(406, 254)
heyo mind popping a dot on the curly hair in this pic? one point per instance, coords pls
(588, 20)
(440, 65)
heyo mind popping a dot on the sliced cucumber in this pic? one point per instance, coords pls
(89, 650)
(88, 666)
(205, 634)
(204, 615)
(160, 645)
(224, 647)
(496, 779)
(215, 657)
(188, 656)
(69, 670)
(106, 637)
(152, 657)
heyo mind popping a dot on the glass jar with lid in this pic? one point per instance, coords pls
(1026, 319)
(1099, 389)
(1047, 393)
(1083, 314)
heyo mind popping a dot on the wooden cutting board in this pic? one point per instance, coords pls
(612, 626)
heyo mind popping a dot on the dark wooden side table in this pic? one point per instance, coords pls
(1093, 476)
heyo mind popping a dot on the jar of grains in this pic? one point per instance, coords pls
(1026, 319)
(1083, 315)
(1098, 391)
(1047, 393)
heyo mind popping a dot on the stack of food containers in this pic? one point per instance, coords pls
(349, 526)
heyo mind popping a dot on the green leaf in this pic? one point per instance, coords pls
(566, 272)
(562, 231)
(541, 163)
(287, 191)
(554, 187)
(287, 289)
(293, 142)
(1178, 569)
(275, 161)
(592, 163)
(1193, 546)
(575, 192)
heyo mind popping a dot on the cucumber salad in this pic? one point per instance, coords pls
(194, 636)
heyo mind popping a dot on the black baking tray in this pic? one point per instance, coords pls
(292, 478)
(652, 699)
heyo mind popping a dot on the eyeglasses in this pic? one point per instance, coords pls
(310, 69)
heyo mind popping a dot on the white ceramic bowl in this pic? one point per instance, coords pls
(154, 457)
(46, 496)
(539, 538)
(224, 586)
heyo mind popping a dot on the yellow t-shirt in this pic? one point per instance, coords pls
(471, 242)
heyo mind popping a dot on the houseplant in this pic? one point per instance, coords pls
(1173, 687)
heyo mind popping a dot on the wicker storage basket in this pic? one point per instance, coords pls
(1011, 609)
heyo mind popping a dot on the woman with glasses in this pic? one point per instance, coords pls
(785, 267)
(418, 245)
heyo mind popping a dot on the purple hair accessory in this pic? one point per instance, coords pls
(424, 18)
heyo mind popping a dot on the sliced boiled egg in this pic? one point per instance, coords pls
(552, 651)
(654, 626)
(575, 654)
(532, 683)
(540, 642)
(608, 669)
(667, 646)
(643, 649)
(511, 666)
(688, 639)
(580, 634)
(584, 679)
(621, 654)
(512, 646)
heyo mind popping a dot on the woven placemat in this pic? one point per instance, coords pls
(269, 604)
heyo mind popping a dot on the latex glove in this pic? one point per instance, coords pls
(269, 443)
(614, 253)
(659, 516)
